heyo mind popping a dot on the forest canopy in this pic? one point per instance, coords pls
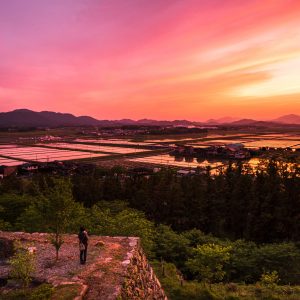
(236, 226)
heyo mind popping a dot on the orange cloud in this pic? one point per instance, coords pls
(128, 58)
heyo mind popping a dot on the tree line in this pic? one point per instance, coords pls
(261, 205)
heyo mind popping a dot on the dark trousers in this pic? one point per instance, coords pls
(83, 254)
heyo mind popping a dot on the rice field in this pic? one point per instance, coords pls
(253, 141)
(272, 143)
(88, 148)
(40, 154)
(9, 162)
(106, 149)
(113, 141)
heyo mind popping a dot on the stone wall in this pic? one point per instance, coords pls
(116, 268)
(140, 280)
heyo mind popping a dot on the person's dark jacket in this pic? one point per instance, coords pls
(83, 237)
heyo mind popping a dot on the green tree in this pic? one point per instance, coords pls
(283, 257)
(171, 246)
(55, 211)
(3, 224)
(109, 220)
(208, 262)
(87, 189)
(12, 206)
(243, 262)
(22, 264)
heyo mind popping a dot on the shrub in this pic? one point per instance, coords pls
(208, 262)
(15, 295)
(207, 294)
(170, 246)
(22, 264)
(269, 278)
(284, 258)
(129, 222)
(232, 298)
(42, 292)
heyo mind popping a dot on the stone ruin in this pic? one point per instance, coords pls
(116, 267)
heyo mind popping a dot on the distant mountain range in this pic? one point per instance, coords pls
(288, 119)
(29, 118)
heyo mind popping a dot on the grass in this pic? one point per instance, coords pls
(44, 292)
(66, 292)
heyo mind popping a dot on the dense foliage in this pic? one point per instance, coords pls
(237, 226)
(192, 290)
(262, 206)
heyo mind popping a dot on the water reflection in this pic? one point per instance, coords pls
(178, 158)
(44, 154)
(190, 162)
(181, 161)
(100, 148)
(189, 159)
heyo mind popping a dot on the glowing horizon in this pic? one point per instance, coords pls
(170, 59)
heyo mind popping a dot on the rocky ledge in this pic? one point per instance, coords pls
(116, 267)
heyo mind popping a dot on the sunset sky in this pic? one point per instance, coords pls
(161, 59)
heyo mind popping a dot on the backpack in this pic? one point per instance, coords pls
(81, 246)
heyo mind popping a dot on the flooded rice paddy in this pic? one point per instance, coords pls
(189, 162)
(9, 162)
(273, 143)
(113, 141)
(40, 154)
(186, 162)
(252, 141)
(11, 154)
(100, 148)
(275, 140)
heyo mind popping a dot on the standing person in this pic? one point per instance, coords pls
(83, 243)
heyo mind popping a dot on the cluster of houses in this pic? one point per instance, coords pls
(69, 168)
(114, 131)
(55, 167)
(44, 138)
(142, 129)
(230, 151)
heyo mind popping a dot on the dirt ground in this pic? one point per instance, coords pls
(103, 273)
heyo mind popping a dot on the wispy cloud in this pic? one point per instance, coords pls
(115, 59)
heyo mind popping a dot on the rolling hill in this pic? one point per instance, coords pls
(288, 119)
(29, 118)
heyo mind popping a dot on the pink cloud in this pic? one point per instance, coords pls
(125, 58)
